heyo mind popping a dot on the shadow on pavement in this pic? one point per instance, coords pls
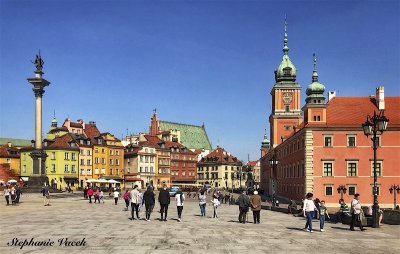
(345, 229)
(298, 229)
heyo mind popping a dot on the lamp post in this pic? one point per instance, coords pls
(273, 163)
(342, 190)
(395, 189)
(372, 126)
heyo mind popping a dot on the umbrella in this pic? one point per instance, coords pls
(91, 180)
(112, 181)
(12, 181)
(102, 181)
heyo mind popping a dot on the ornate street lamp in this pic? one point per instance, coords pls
(395, 189)
(273, 163)
(372, 126)
(342, 190)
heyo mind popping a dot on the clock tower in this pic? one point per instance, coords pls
(286, 111)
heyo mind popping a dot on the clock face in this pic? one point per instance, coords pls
(287, 97)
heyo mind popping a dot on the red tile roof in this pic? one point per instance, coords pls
(219, 155)
(9, 152)
(75, 125)
(352, 111)
(62, 142)
(198, 151)
(252, 163)
(91, 132)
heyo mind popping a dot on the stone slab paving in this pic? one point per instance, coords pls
(107, 228)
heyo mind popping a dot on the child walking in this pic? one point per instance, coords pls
(322, 211)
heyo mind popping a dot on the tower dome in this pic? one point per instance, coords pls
(315, 90)
(286, 69)
(265, 143)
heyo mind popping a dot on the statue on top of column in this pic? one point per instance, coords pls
(38, 63)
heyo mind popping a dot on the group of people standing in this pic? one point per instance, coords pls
(312, 208)
(12, 194)
(136, 200)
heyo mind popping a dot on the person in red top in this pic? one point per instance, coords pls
(90, 194)
(127, 196)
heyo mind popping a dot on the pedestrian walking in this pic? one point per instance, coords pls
(255, 202)
(179, 199)
(215, 201)
(134, 195)
(164, 199)
(202, 203)
(90, 194)
(308, 211)
(244, 203)
(126, 199)
(13, 195)
(7, 194)
(149, 201)
(116, 196)
(19, 193)
(141, 198)
(46, 195)
(85, 190)
(356, 211)
(322, 212)
(97, 196)
(101, 196)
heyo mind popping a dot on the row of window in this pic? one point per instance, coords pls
(103, 150)
(176, 164)
(88, 152)
(146, 158)
(176, 173)
(352, 168)
(351, 140)
(215, 168)
(329, 190)
(103, 161)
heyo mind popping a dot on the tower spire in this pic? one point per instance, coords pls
(285, 40)
(315, 74)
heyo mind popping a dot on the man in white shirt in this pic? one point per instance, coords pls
(134, 195)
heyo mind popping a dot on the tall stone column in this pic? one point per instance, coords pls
(38, 154)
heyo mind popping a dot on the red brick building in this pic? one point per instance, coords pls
(183, 164)
(328, 148)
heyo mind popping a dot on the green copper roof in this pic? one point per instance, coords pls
(286, 62)
(315, 87)
(192, 136)
(265, 143)
(15, 142)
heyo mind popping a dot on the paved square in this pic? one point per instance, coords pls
(108, 229)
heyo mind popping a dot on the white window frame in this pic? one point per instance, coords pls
(326, 186)
(378, 162)
(355, 140)
(323, 167)
(347, 168)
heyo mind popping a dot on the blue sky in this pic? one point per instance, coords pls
(113, 62)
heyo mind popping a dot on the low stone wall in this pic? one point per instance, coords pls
(391, 217)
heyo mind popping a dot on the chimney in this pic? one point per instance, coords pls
(380, 97)
(331, 95)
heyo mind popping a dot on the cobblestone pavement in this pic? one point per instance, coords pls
(107, 228)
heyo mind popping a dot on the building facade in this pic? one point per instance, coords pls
(220, 169)
(327, 149)
(183, 164)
